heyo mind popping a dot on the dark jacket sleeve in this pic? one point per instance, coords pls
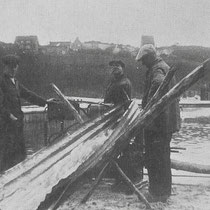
(127, 90)
(4, 111)
(30, 96)
(118, 93)
(108, 95)
(157, 78)
(160, 123)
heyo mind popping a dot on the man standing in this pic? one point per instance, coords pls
(119, 88)
(119, 92)
(12, 144)
(159, 133)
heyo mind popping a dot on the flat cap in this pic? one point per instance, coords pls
(145, 50)
(11, 60)
(117, 63)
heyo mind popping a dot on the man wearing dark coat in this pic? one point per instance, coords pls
(119, 88)
(119, 92)
(12, 143)
(159, 133)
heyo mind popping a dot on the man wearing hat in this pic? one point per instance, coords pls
(12, 144)
(119, 88)
(119, 92)
(159, 133)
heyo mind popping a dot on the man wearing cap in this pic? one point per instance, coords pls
(119, 88)
(119, 92)
(159, 133)
(12, 144)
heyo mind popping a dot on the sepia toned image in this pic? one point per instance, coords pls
(104, 105)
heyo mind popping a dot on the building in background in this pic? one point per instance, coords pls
(76, 45)
(147, 40)
(27, 43)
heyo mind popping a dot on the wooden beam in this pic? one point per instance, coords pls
(95, 184)
(191, 167)
(132, 186)
(67, 103)
(162, 88)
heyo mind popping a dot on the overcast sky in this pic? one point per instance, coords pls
(186, 22)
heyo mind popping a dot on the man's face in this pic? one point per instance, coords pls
(146, 60)
(116, 70)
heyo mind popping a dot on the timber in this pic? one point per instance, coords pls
(191, 167)
(27, 184)
(68, 104)
(162, 88)
(98, 179)
(132, 186)
(68, 159)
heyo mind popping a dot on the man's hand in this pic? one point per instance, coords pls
(52, 101)
(12, 117)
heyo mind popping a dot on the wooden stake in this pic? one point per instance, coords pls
(95, 184)
(68, 104)
(129, 182)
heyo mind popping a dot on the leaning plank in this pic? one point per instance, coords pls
(132, 186)
(95, 184)
(162, 88)
(68, 104)
(191, 167)
(26, 185)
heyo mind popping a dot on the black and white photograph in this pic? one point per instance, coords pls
(104, 105)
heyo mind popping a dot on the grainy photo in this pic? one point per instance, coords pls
(104, 104)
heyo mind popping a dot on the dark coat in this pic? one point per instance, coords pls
(12, 144)
(118, 91)
(169, 120)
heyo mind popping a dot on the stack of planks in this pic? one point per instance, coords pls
(26, 185)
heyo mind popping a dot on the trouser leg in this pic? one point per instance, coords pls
(158, 163)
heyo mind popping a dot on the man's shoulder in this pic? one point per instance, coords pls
(161, 66)
(124, 82)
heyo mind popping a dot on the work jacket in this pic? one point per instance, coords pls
(10, 95)
(118, 91)
(169, 119)
(12, 144)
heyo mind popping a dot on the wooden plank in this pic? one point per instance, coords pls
(54, 164)
(191, 167)
(162, 88)
(132, 186)
(95, 184)
(68, 104)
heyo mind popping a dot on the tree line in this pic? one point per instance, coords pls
(84, 72)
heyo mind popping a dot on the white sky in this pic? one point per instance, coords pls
(119, 21)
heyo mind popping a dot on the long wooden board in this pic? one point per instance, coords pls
(26, 185)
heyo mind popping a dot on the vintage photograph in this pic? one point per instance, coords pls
(104, 105)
